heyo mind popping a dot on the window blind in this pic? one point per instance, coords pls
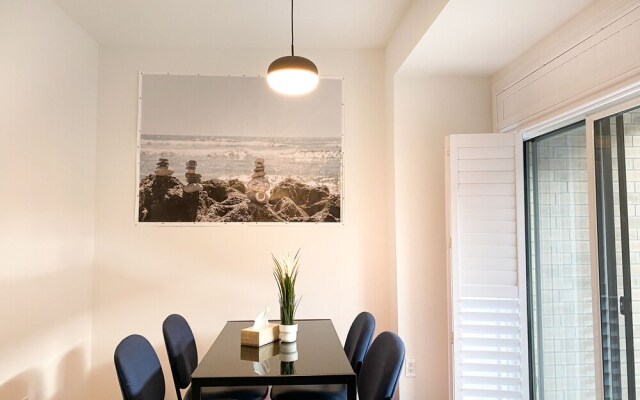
(488, 291)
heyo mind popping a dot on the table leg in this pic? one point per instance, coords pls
(195, 391)
(351, 389)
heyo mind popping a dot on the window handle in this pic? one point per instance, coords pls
(622, 307)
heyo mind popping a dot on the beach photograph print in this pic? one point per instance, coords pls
(219, 149)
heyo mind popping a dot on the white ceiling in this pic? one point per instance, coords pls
(471, 37)
(479, 37)
(238, 23)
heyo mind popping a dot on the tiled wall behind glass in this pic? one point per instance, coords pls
(632, 156)
(562, 309)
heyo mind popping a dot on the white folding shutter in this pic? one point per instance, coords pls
(487, 266)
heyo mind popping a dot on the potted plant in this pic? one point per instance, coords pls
(285, 272)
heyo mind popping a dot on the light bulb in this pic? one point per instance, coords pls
(293, 75)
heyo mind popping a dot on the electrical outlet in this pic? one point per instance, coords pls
(411, 367)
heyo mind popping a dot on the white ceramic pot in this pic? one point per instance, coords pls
(288, 357)
(288, 333)
(288, 347)
(288, 351)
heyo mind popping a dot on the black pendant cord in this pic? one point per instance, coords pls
(292, 27)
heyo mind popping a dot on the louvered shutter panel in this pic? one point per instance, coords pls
(486, 267)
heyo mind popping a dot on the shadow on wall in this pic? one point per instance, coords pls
(37, 306)
(73, 376)
(70, 381)
(25, 385)
(138, 301)
(45, 335)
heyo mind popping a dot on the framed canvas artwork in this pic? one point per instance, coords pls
(222, 149)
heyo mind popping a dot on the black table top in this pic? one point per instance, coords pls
(320, 357)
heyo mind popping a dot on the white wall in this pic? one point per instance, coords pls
(215, 274)
(48, 111)
(417, 19)
(413, 26)
(428, 108)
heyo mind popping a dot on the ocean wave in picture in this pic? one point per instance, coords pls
(314, 161)
(243, 153)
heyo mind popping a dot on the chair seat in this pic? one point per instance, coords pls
(232, 393)
(309, 392)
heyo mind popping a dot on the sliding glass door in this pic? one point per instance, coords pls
(617, 160)
(583, 266)
(561, 333)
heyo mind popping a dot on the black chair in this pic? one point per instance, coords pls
(359, 339)
(355, 347)
(138, 369)
(183, 358)
(381, 368)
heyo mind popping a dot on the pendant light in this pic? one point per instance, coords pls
(292, 75)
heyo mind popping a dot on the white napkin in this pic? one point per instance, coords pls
(262, 368)
(262, 319)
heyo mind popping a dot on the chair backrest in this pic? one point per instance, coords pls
(381, 368)
(182, 351)
(138, 368)
(359, 339)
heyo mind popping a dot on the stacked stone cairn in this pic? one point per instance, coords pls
(162, 168)
(259, 184)
(193, 179)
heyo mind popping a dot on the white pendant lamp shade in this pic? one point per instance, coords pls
(293, 75)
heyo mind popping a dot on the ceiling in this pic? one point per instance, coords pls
(479, 37)
(470, 37)
(238, 23)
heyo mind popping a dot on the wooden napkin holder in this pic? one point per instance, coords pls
(259, 337)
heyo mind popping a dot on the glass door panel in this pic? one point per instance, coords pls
(617, 156)
(561, 331)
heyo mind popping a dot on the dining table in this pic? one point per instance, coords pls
(315, 358)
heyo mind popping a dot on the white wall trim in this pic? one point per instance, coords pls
(616, 97)
(593, 58)
(578, 29)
